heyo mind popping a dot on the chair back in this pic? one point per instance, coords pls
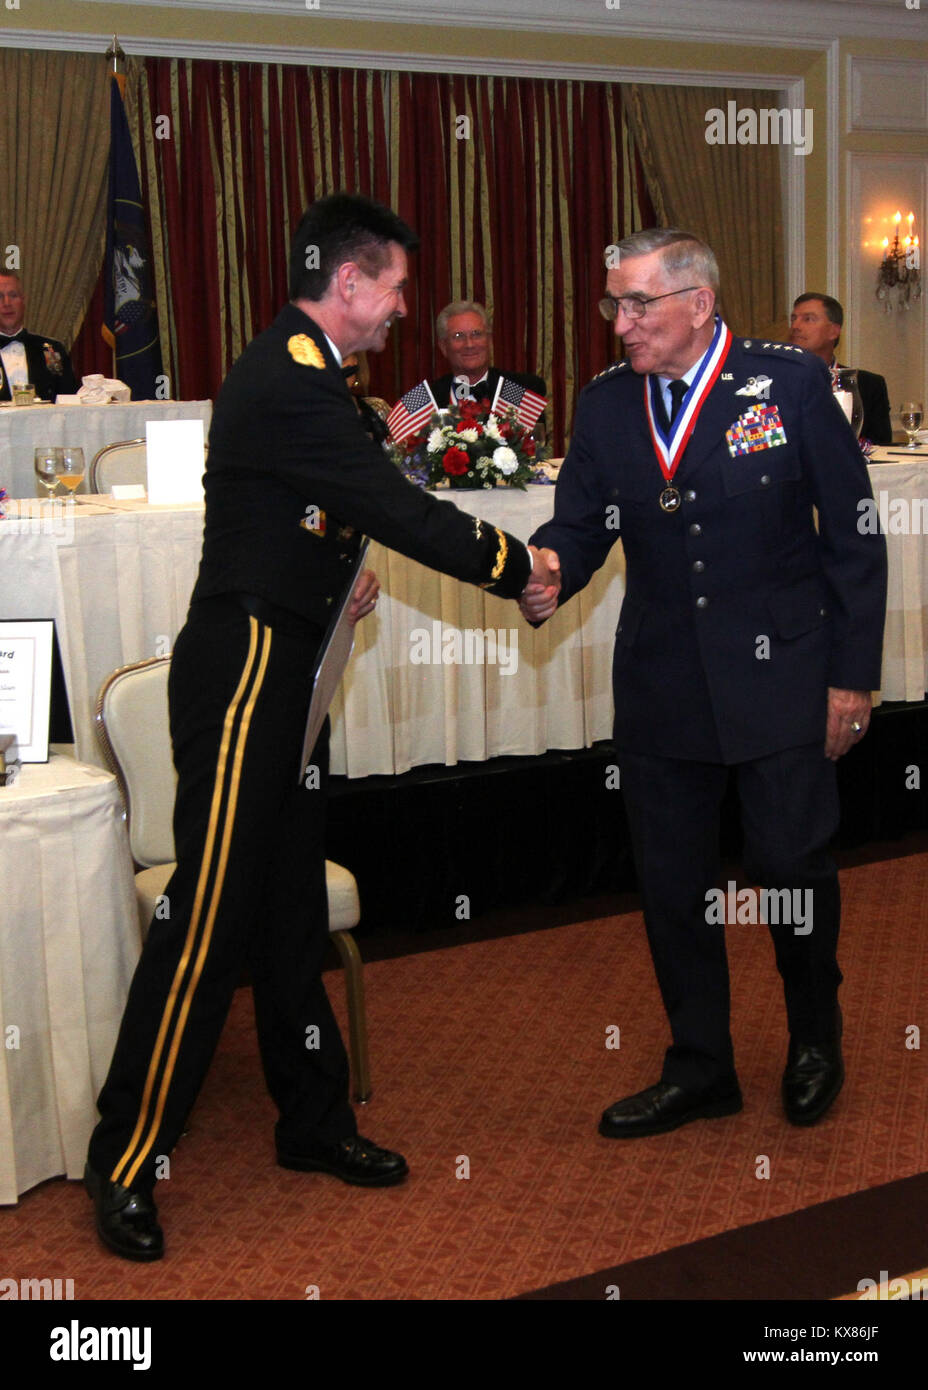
(131, 719)
(124, 462)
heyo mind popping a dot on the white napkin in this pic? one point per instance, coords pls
(97, 389)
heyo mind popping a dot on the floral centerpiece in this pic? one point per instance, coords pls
(468, 447)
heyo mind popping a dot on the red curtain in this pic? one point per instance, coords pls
(514, 208)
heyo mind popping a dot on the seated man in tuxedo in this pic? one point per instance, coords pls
(29, 357)
(815, 324)
(465, 339)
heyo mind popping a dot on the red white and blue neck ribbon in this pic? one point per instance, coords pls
(670, 446)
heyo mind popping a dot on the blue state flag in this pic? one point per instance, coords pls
(130, 319)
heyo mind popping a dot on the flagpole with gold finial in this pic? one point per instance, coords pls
(116, 55)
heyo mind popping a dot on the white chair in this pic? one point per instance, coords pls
(131, 718)
(123, 462)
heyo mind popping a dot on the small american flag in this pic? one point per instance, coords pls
(411, 412)
(527, 404)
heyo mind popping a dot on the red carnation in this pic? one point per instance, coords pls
(469, 410)
(456, 462)
(505, 429)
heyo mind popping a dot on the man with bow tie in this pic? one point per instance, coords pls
(748, 643)
(29, 357)
(466, 342)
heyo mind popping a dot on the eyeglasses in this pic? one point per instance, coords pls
(634, 306)
(476, 335)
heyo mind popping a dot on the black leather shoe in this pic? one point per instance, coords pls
(127, 1221)
(664, 1107)
(813, 1077)
(355, 1160)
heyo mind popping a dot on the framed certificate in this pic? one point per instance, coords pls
(26, 685)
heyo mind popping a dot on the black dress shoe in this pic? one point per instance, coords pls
(813, 1077)
(664, 1107)
(126, 1221)
(355, 1160)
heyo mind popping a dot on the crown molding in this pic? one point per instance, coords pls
(815, 22)
(141, 46)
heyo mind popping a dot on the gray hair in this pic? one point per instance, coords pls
(685, 256)
(459, 306)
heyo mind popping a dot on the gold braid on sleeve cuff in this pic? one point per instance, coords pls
(499, 564)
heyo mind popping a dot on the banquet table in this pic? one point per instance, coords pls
(69, 941)
(24, 428)
(117, 578)
(900, 489)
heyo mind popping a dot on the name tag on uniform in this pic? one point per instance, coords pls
(754, 430)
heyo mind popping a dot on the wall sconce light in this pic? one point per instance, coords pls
(898, 283)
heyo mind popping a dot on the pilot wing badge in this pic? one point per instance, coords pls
(756, 386)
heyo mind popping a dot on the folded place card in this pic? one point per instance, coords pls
(175, 460)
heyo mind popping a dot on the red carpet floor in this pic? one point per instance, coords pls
(490, 1059)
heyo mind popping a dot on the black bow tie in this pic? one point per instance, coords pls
(6, 338)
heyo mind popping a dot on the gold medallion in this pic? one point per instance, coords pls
(669, 499)
(303, 350)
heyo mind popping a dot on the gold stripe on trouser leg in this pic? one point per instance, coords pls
(194, 980)
(219, 782)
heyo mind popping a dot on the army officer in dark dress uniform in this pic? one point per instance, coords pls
(292, 482)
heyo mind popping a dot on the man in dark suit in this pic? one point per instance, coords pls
(815, 325)
(29, 357)
(748, 643)
(292, 480)
(466, 341)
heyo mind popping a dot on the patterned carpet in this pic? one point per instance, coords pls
(492, 1056)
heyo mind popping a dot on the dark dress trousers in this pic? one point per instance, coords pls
(738, 616)
(50, 370)
(441, 387)
(292, 480)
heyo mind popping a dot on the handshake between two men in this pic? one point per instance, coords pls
(539, 597)
(537, 601)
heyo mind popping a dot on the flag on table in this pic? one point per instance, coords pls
(411, 412)
(527, 404)
(130, 319)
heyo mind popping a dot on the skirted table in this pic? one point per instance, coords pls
(117, 578)
(69, 941)
(25, 428)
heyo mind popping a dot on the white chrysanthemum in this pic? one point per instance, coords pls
(469, 434)
(505, 460)
(436, 442)
(492, 429)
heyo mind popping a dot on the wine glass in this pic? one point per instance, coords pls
(46, 467)
(70, 467)
(911, 415)
(846, 390)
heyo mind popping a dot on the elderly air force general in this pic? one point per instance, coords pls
(748, 642)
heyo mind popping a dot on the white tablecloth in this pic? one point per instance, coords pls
(900, 489)
(25, 428)
(69, 941)
(118, 583)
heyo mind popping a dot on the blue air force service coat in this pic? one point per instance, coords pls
(738, 612)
